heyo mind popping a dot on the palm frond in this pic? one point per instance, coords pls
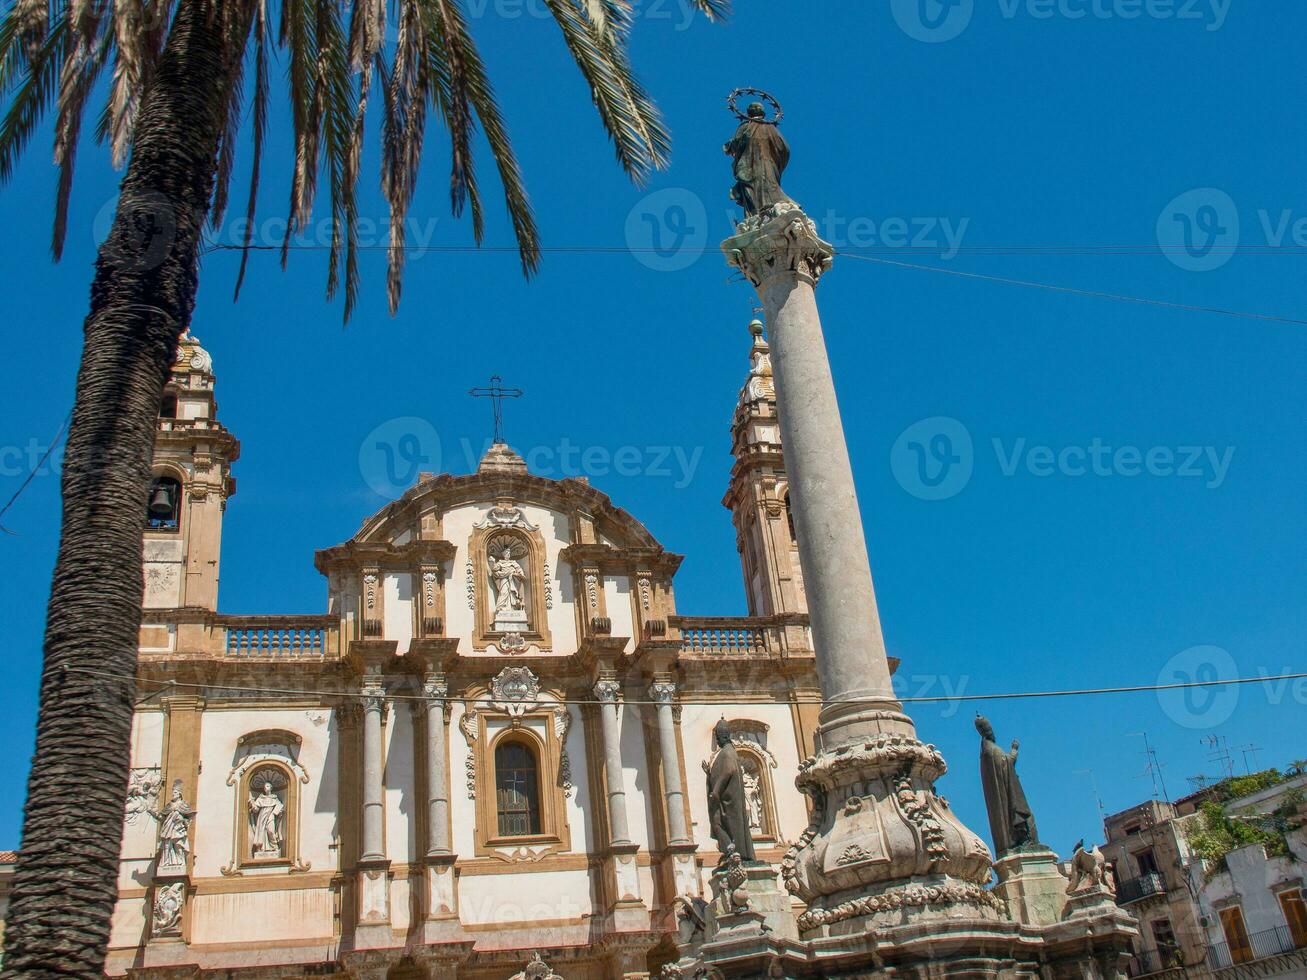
(31, 18)
(81, 67)
(630, 118)
(259, 111)
(129, 71)
(335, 96)
(713, 9)
(32, 98)
(298, 34)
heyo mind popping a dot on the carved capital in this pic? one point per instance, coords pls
(662, 692)
(608, 691)
(780, 240)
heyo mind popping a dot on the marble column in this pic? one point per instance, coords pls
(607, 692)
(435, 690)
(373, 795)
(372, 930)
(879, 828)
(662, 693)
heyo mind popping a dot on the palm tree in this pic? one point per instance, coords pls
(176, 96)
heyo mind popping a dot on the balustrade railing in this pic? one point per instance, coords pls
(1259, 946)
(279, 637)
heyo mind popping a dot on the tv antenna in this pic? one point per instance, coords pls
(1153, 769)
(1218, 751)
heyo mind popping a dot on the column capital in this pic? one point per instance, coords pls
(435, 688)
(608, 691)
(780, 241)
(662, 692)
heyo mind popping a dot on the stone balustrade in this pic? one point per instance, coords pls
(729, 636)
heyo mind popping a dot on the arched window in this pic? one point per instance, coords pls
(163, 508)
(517, 789)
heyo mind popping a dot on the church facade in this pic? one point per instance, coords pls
(491, 744)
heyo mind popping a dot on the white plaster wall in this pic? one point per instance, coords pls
(524, 896)
(216, 804)
(617, 597)
(128, 928)
(397, 611)
(462, 811)
(635, 767)
(141, 835)
(458, 523)
(697, 723)
(262, 916)
(583, 801)
(400, 785)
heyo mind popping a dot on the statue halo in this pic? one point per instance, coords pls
(764, 96)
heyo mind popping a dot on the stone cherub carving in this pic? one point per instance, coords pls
(728, 816)
(1010, 818)
(1088, 870)
(174, 831)
(761, 155)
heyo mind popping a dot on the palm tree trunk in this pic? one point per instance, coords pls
(143, 294)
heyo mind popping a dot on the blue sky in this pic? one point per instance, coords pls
(1006, 124)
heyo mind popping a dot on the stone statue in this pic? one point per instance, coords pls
(165, 919)
(1088, 870)
(728, 817)
(174, 831)
(1010, 818)
(265, 809)
(508, 580)
(753, 800)
(761, 155)
(537, 969)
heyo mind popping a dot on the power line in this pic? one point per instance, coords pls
(1082, 692)
(1095, 294)
(35, 469)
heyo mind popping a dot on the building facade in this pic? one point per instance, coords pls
(491, 743)
(1242, 916)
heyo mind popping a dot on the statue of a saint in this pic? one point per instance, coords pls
(1010, 818)
(753, 800)
(761, 154)
(508, 580)
(728, 817)
(174, 831)
(265, 809)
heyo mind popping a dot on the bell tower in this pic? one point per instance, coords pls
(189, 486)
(758, 496)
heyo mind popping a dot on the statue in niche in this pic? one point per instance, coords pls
(1011, 820)
(508, 582)
(266, 807)
(752, 796)
(174, 831)
(728, 817)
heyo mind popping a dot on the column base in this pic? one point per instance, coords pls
(373, 882)
(685, 869)
(442, 887)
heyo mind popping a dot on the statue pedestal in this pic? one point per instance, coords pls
(1033, 886)
(766, 908)
(1091, 901)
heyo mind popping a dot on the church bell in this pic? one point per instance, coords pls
(161, 502)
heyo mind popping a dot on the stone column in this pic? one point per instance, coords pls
(607, 692)
(881, 832)
(373, 928)
(435, 690)
(780, 252)
(662, 693)
(373, 794)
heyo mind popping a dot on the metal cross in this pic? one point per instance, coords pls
(496, 392)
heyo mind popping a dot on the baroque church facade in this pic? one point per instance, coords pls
(489, 751)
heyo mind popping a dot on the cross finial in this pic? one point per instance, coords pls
(496, 392)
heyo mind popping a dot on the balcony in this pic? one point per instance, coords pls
(1260, 946)
(279, 637)
(1137, 889)
(742, 636)
(1154, 961)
